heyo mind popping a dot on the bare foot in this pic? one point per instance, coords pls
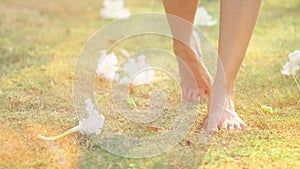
(230, 120)
(192, 70)
(223, 116)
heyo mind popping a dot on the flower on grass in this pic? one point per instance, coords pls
(114, 9)
(295, 57)
(107, 65)
(144, 77)
(292, 66)
(132, 67)
(203, 18)
(94, 122)
(91, 125)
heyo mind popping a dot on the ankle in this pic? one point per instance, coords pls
(184, 52)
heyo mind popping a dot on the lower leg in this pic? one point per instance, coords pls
(237, 22)
(238, 19)
(181, 16)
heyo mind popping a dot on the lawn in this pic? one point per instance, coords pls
(39, 45)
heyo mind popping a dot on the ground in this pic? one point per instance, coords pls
(39, 45)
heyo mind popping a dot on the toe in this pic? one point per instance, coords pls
(201, 94)
(189, 95)
(237, 126)
(243, 125)
(184, 92)
(224, 126)
(195, 95)
(230, 126)
(211, 128)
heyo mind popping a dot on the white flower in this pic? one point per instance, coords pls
(91, 125)
(145, 77)
(137, 66)
(94, 122)
(114, 9)
(290, 68)
(203, 18)
(107, 65)
(295, 57)
(130, 67)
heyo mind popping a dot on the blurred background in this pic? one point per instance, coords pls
(39, 45)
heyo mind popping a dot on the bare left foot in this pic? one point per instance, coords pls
(192, 69)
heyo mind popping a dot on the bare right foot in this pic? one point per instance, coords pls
(224, 117)
(221, 110)
(192, 69)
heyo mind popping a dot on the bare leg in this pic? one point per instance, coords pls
(182, 45)
(238, 18)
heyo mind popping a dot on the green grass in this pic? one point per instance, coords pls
(39, 45)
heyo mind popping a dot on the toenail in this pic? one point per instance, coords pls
(231, 128)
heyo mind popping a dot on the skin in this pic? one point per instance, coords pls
(182, 45)
(237, 21)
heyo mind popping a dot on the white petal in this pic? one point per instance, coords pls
(94, 122)
(131, 67)
(116, 77)
(203, 18)
(107, 65)
(289, 68)
(295, 57)
(142, 58)
(144, 77)
(114, 9)
(134, 66)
